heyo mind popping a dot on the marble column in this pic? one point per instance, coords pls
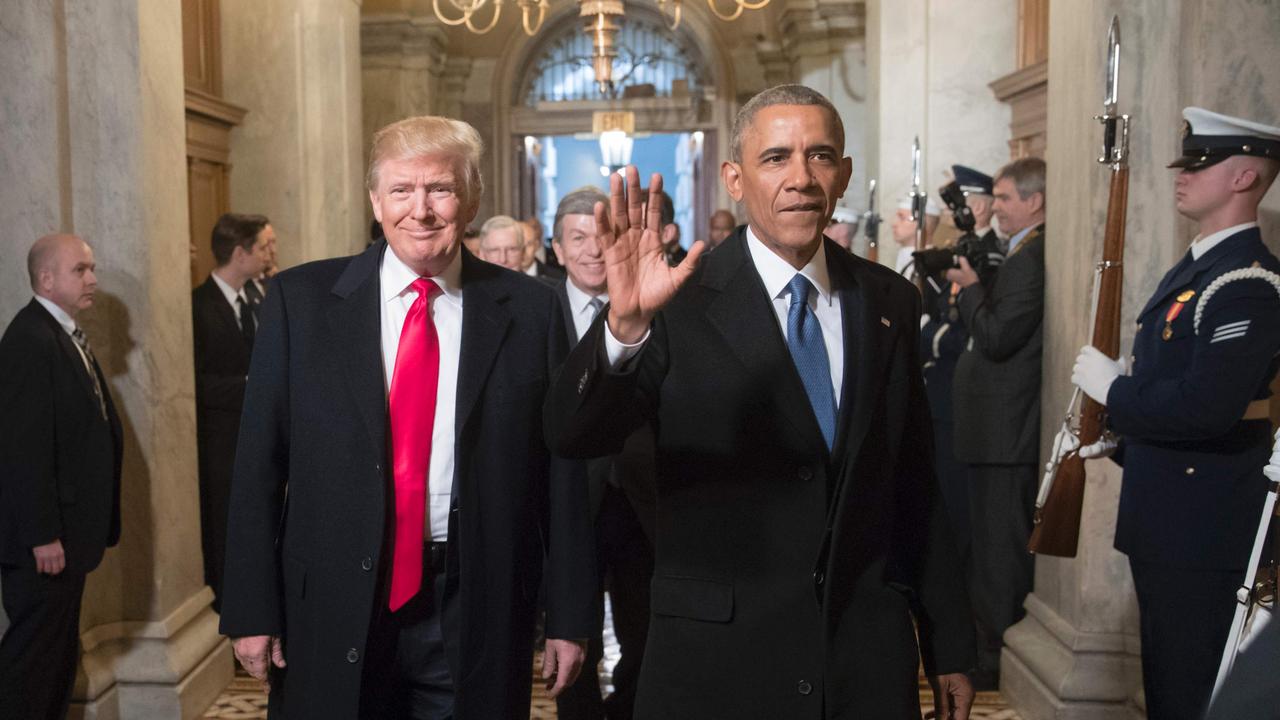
(1076, 655)
(95, 145)
(298, 158)
(825, 45)
(928, 64)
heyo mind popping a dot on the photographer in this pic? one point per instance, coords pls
(997, 408)
(943, 336)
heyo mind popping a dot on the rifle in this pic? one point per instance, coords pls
(871, 223)
(919, 203)
(1061, 497)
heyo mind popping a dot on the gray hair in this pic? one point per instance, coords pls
(780, 95)
(430, 135)
(579, 202)
(499, 222)
(1027, 175)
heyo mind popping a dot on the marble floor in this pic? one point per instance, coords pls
(244, 699)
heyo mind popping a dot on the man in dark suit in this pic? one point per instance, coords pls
(798, 520)
(620, 486)
(996, 409)
(223, 323)
(60, 453)
(393, 499)
(536, 261)
(1193, 416)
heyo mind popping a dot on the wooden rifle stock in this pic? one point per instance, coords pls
(1057, 522)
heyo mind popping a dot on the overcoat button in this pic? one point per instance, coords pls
(366, 564)
(1191, 471)
(804, 687)
(804, 473)
(352, 655)
(818, 577)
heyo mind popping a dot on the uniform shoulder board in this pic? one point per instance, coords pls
(1249, 273)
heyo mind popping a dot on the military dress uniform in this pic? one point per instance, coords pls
(1195, 436)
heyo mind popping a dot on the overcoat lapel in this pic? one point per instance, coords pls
(865, 349)
(744, 317)
(355, 323)
(484, 326)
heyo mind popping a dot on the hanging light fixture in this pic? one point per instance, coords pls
(469, 8)
(601, 20)
(617, 135)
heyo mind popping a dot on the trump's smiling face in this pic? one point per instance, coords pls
(422, 205)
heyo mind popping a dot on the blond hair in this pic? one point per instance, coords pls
(429, 135)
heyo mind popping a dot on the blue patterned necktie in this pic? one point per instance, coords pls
(804, 340)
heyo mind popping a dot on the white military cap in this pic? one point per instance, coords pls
(930, 207)
(1209, 137)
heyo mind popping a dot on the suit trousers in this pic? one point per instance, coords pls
(625, 559)
(406, 672)
(1184, 619)
(39, 651)
(1001, 503)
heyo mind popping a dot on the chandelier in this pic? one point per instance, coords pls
(601, 20)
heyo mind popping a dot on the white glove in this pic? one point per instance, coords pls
(1064, 443)
(1272, 470)
(1094, 372)
(924, 320)
(1104, 448)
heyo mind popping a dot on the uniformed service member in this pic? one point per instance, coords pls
(942, 338)
(1192, 415)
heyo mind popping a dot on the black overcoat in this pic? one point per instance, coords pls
(311, 491)
(785, 574)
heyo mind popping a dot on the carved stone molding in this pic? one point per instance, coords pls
(1026, 91)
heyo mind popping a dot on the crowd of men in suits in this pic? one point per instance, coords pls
(790, 471)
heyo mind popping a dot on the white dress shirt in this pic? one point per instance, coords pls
(232, 295)
(580, 308)
(776, 274)
(67, 324)
(1202, 245)
(396, 282)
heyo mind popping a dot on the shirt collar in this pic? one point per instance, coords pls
(579, 300)
(397, 278)
(777, 273)
(1202, 245)
(58, 314)
(1018, 236)
(227, 291)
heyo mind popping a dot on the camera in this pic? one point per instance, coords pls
(984, 256)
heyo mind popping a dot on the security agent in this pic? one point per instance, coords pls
(996, 398)
(1192, 415)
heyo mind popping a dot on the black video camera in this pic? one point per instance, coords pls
(984, 256)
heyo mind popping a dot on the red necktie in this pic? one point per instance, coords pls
(413, 413)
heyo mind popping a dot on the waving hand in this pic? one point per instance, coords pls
(640, 281)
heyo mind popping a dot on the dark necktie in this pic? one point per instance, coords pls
(804, 340)
(1187, 260)
(91, 364)
(412, 407)
(248, 325)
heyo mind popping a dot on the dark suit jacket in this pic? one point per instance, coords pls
(307, 537)
(59, 459)
(996, 391)
(222, 363)
(631, 469)
(784, 573)
(1193, 483)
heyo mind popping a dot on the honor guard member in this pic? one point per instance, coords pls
(942, 338)
(1192, 415)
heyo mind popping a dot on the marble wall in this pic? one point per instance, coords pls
(929, 63)
(1076, 654)
(94, 143)
(298, 158)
